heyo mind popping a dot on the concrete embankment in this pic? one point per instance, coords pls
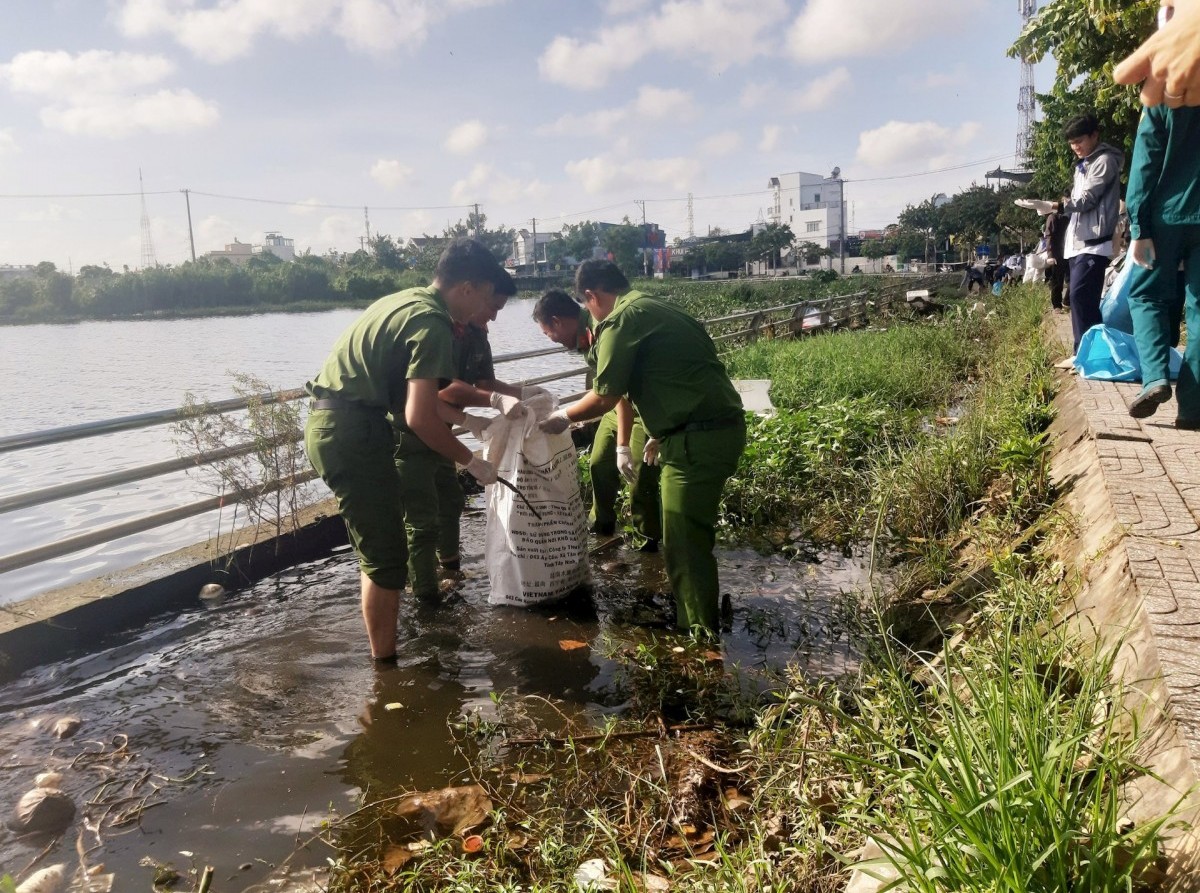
(71, 620)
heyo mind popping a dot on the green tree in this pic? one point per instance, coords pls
(810, 251)
(769, 241)
(1086, 38)
(929, 218)
(727, 256)
(874, 250)
(624, 243)
(578, 242)
(498, 241)
(386, 253)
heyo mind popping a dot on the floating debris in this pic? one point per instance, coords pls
(42, 811)
(47, 880)
(211, 591)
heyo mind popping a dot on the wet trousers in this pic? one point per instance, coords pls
(695, 466)
(606, 481)
(1154, 305)
(432, 502)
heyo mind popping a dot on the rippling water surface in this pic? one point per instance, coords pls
(239, 726)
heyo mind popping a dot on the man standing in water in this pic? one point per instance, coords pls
(665, 362)
(393, 358)
(620, 439)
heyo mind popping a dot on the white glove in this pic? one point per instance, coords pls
(650, 453)
(625, 463)
(1042, 206)
(555, 423)
(1141, 252)
(482, 470)
(533, 390)
(510, 406)
(476, 424)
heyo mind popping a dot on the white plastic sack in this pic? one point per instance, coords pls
(531, 561)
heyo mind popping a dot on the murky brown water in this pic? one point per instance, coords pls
(248, 722)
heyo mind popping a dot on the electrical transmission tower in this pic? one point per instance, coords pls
(148, 259)
(1027, 99)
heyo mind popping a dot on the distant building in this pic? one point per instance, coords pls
(8, 272)
(240, 252)
(529, 248)
(810, 204)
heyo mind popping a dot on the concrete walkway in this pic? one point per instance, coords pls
(1151, 474)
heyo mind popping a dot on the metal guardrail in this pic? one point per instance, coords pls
(784, 320)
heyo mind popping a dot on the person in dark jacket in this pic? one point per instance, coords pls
(1055, 232)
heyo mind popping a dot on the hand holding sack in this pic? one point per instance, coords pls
(1141, 252)
(650, 453)
(625, 463)
(533, 390)
(555, 423)
(482, 470)
(476, 424)
(510, 407)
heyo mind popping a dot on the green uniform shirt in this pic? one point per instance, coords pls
(473, 355)
(1164, 176)
(664, 361)
(401, 336)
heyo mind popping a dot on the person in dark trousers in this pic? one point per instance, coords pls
(665, 362)
(1164, 215)
(1055, 232)
(1094, 207)
(392, 360)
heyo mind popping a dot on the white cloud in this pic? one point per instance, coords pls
(60, 75)
(51, 213)
(956, 78)
(724, 143)
(390, 173)
(8, 143)
(836, 29)
(226, 29)
(484, 183)
(114, 117)
(924, 144)
(467, 137)
(603, 173)
(616, 8)
(770, 138)
(755, 94)
(721, 32)
(309, 206)
(820, 92)
(651, 104)
(100, 93)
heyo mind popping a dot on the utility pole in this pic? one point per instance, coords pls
(191, 239)
(645, 259)
(476, 220)
(533, 223)
(691, 220)
(367, 221)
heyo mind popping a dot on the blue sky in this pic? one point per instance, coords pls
(294, 114)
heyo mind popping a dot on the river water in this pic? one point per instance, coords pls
(92, 371)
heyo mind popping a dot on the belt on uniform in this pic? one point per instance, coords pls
(337, 404)
(706, 425)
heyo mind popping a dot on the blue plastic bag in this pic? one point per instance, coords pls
(1114, 306)
(1109, 354)
(997, 288)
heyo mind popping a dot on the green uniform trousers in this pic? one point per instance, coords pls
(695, 466)
(606, 480)
(352, 451)
(1154, 305)
(432, 502)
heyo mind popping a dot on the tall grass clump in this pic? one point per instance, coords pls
(1003, 766)
(930, 489)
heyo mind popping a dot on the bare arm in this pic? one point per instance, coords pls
(461, 393)
(591, 406)
(624, 421)
(424, 411)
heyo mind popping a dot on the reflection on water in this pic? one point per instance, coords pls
(258, 716)
(92, 371)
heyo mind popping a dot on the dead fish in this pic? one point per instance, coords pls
(65, 727)
(46, 880)
(211, 591)
(42, 811)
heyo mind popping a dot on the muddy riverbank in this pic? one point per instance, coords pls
(226, 734)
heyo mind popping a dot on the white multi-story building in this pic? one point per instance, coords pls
(528, 249)
(239, 252)
(812, 205)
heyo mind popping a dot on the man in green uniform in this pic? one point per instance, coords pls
(665, 362)
(430, 492)
(393, 359)
(620, 438)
